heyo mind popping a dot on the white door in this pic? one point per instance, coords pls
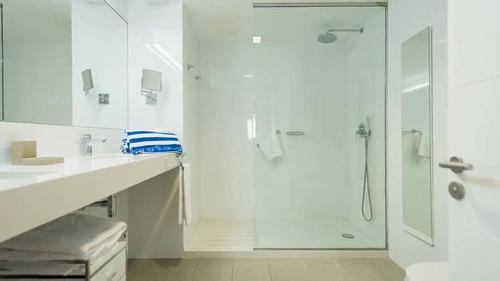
(474, 135)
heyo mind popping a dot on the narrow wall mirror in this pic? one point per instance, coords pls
(416, 135)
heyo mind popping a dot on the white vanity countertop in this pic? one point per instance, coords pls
(34, 195)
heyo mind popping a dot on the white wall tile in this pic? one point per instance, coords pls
(476, 40)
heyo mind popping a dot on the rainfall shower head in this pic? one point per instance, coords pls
(327, 37)
(330, 36)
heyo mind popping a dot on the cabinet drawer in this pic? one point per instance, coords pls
(114, 270)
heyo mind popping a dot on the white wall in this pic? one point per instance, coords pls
(153, 228)
(406, 18)
(150, 24)
(191, 103)
(120, 6)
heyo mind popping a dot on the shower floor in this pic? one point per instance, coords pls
(302, 234)
(216, 235)
(219, 235)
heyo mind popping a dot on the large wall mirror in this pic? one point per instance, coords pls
(64, 63)
(416, 135)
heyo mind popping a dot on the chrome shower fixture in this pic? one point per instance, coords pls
(363, 131)
(366, 200)
(330, 35)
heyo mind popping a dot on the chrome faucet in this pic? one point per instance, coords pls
(363, 129)
(87, 144)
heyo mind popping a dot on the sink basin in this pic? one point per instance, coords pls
(21, 174)
(112, 156)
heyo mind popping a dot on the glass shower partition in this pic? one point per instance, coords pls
(309, 98)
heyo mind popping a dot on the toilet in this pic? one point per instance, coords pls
(428, 271)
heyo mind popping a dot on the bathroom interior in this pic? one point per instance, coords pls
(260, 140)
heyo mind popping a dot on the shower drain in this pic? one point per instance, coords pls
(348, 236)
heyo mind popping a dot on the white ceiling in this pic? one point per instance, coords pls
(217, 19)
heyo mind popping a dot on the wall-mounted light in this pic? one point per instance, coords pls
(151, 85)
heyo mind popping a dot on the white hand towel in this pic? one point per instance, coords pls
(270, 147)
(422, 146)
(185, 206)
(188, 206)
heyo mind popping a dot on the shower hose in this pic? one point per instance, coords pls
(367, 199)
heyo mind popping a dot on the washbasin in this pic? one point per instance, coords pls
(112, 156)
(21, 174)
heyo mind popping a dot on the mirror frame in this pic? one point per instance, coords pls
(415, 233)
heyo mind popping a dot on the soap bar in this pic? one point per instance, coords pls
(41, 161)
(21, 150)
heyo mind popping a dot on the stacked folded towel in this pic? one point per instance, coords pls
(142, 142)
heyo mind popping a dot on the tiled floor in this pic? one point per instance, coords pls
(299, 269)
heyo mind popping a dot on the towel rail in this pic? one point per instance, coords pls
(411, 132)
(295, 133)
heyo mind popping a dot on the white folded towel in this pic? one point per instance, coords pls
(422, 146)
(270, 147)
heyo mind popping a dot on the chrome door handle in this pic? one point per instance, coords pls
(456, 164)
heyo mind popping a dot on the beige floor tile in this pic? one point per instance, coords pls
(288, 270)
(361, 269)
(162, 270)
(306, 269)
(140, 270)
(251, 270)
(214, 270)
(326, 269)
(390, 270)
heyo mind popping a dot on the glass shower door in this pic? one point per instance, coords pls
(308, 100)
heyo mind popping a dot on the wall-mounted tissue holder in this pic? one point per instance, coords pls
(151, 85)
(25, 153)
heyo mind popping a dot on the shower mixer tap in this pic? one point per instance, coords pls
(363, 131)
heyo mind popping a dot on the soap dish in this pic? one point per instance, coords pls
(41, 161)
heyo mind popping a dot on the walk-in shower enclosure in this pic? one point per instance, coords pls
(281, 147)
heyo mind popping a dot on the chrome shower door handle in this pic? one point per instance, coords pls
(456, 164)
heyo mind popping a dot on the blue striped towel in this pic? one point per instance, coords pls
(143, 142)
